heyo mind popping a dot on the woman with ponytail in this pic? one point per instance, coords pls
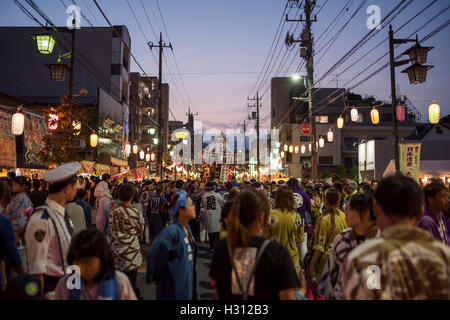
(330, 224)
(172, 257)
(245, 265)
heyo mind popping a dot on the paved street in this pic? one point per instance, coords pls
(204, 263)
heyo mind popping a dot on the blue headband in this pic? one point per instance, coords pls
(181, 203)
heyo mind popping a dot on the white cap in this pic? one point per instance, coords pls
(61, 173)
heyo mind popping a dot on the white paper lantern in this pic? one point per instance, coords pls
(330, 135)
(142, 155)
(354, 114)
(303, 148)
(17, 123)
(321, 142)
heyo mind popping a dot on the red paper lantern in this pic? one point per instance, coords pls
(400, 111)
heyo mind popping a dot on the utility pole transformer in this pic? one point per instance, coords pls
(160, 46)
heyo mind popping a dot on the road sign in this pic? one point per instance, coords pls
(305, 128)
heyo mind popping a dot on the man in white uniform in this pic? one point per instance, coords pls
(50, 230)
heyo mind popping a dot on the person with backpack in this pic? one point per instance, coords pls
(99, 280)
(285, 225)
(245, 265)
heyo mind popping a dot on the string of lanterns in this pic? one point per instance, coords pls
(433, 115)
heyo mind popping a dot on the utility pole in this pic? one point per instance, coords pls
(257, 106)
(161, 47)
(191, 133)
(244, 125)
(307, 42)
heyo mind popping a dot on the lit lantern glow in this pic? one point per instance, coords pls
(321, 142)
(151, 131)
(400, 113)
(291, 149)
(155, 140)
(152, 157)
(330, 136)
(142, 155)
(434, 112)
(94, 140)
(285, 148)
(53, 121)
(135, 148)
(296, 149)
(45, 43)
(127, 149)
(76, 127)
(17, 123)
(310, 147)
(340, 122)
(354, 114)
(147, 157)
(282, 154)
(303, 148)
(375, 116)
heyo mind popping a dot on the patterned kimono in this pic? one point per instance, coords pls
(125, 225)
(405, 263)
(19, 211)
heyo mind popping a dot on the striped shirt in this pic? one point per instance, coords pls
(405, 263)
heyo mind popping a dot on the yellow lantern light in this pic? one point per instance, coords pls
(330, 135)
(291, 149)
(135, 148)
(285, 148)
(151, 131)
(321, 142)
(147, 157)
(340, 122)
(45, 43)
(354, 114)
(296, 149)
(303, 148)
(142, 155)
(375, 116)
(434, 112)
(17, 123)
(94, 140)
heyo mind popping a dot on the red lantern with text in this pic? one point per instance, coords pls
(53, 121)
(400, 110)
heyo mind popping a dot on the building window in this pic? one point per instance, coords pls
(304, 160)
(288, 157)
(321, 119)
(350, 162)
(325, 160)
(350, 144)
(305, 138)
(115, 69)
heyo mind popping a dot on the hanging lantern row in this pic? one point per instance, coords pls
(296, 149)
(147, 157)
(94, 140)
(135, 148)
(340, 122)
(321, 142)
(375, 116)
(285, 148)
(303, 149)
(282, 154)
(291, 149)
(354, 114)
(142, 155)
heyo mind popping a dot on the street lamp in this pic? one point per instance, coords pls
(58, 71)
(45, 43)
(155, 140)
(151, 131)
(418, 54)
(417, 73)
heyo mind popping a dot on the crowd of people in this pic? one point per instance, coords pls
(290, 240)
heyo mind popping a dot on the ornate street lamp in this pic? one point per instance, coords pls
(417, 73)
(45, 43)
(58, 71)
(151, 131)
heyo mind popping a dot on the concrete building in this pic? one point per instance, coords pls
(102, 64)
(343, 150)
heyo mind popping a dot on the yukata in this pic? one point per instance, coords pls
(19, 211)
(324, 235)
(436, 226)
(172, 261)
(405, 263)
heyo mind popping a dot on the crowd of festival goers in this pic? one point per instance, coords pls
(290, 240)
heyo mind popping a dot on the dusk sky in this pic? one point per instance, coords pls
(232, 39)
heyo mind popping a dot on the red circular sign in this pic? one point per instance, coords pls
(305, 128)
